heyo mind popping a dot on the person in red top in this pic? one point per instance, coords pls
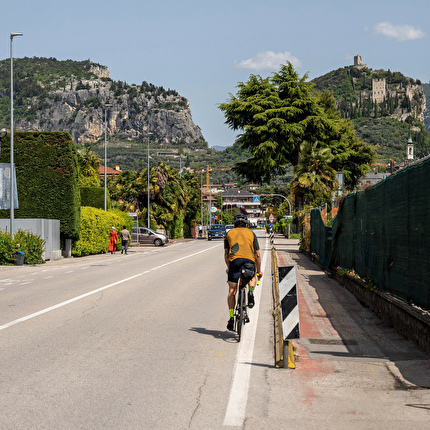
(113, 239)
(240, 246)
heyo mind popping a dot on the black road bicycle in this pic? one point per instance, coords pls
(241, 311)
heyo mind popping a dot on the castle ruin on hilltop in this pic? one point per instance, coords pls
(380, 92)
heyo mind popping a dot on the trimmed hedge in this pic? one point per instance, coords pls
(95, 227)
(95, 197)
(47, 178)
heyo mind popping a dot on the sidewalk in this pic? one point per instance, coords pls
(352, 371)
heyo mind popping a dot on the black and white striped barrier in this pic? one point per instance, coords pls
(289, 304)
(289, 312)
(271, 234)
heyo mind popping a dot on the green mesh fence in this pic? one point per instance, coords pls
(382, 233)
(321, 243)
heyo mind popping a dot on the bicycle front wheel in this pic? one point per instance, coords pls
(241, 316)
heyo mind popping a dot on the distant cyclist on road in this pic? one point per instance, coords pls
(240, 246)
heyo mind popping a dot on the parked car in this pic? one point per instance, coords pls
(216, 231)
(146, 236)
(228, 227)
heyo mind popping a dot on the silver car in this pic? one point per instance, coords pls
(146, 236)
(228, 227)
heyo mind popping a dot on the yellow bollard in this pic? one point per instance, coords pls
(289, 359)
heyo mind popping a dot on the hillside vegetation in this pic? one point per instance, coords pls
(385, 125)
(53, 95)
(80, 98)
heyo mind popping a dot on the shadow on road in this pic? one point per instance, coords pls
(226, 336)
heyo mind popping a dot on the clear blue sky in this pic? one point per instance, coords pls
(203, 49)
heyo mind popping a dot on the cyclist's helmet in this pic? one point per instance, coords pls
(240, 220)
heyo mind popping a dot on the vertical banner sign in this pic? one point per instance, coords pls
(5, 187)
(289, 304)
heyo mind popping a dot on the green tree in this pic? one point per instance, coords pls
(88, 164)
(174, 200)
(351, 155)
(314, 180)
(275, 115)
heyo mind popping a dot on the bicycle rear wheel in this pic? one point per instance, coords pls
(241, 312)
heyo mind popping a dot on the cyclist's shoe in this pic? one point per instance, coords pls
(230, 324)
(251, 301)
(246, 317)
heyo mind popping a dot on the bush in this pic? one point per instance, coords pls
(30, 244)
(6, 248)
(95, 227)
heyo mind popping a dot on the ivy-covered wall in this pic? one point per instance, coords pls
(47, 178)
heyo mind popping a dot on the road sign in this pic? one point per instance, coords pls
(256, 199)
(5, 178)
(271, 218)
(213, 209)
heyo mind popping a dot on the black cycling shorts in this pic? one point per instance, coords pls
(234, 268)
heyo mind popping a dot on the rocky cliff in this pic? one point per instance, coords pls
(75, 96)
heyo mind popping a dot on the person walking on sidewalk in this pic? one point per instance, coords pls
(240, 246)
(113, 239)
(125, 237)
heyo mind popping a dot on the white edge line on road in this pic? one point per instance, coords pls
(82, 296)
(236, 407)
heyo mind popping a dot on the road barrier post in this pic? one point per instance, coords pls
(289, 307)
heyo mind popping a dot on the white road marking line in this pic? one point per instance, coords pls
(82, 296)
(236, 408)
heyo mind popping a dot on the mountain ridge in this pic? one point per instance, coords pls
(52, 95)
(72, 96)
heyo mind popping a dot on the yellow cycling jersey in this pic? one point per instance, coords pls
(241, 243)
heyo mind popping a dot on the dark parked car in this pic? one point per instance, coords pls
(216, 230)
(146, 236)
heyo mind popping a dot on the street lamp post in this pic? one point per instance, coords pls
(289, 204)
(106, 106)
(149, 224)
(201, 198)
(279, 195)
(12, 178)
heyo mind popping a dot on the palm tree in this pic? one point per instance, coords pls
(314, 179)
(174, 200)
(88, 164)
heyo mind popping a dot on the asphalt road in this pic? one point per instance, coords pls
(119, 342)
(140, 342)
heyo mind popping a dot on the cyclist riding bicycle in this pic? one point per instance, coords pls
(240, 246)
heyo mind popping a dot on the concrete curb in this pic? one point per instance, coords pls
(278, 335)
